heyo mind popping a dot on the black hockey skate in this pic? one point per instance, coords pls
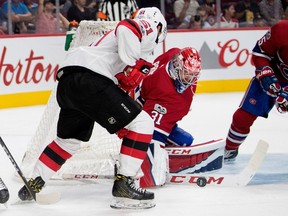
(35, 184)
(230, 155)
(127, 195)
(4, 193)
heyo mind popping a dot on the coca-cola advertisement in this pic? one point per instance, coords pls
(29, 64)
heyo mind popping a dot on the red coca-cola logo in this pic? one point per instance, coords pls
(231, 53)
(29, 70)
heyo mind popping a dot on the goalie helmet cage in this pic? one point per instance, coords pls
(95, 157)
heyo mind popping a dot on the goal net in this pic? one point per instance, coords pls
(95, 157)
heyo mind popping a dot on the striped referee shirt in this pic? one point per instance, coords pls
(113, 10)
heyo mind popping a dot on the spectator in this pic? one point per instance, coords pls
(185, 9)
(32, 6)
(65, 7)
(259, 22)
(3, 24)
(211, 9)
(20, 15)
(93, 5)
(228, 19)
(199, 21)
(46, 21)
(117, 10)
(246, 12)
(271, 10)
(78, 12)
(169, 14)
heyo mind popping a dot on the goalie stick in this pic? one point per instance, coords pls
(39, 198)
(231, 180)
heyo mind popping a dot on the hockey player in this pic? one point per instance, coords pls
(267, 88)
(166, 95)
(88, 91)
(4, 192)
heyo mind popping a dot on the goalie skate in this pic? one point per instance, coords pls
(129, 196)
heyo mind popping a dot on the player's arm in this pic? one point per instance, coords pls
(129, 39)
(263, 52)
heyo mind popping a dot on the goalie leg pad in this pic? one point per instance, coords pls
(155, 166)
(202, 158)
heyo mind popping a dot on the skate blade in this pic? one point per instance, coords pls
(125, 203)
(18, 201)
(5, 205)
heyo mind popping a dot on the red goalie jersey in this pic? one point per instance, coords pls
(162, 101)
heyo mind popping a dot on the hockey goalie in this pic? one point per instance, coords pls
(166, 94)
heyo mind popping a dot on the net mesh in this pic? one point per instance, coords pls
(94, 157)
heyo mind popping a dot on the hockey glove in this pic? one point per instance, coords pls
(132, 76)
(281, 101)
(268, 81)
(143, 66)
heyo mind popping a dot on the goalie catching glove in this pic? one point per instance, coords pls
(131, 77)
(268, 81)
(281, 101)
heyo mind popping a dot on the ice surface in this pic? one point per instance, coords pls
(266, 194)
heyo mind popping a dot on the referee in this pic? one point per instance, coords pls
(113, 10)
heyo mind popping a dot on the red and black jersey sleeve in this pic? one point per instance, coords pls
(132, 25)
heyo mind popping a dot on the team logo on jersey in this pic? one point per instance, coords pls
(111, 120)
(160, 109)
(268, 35)
(252, 101)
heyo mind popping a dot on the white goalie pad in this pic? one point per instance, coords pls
(198, 158)
(155, 166)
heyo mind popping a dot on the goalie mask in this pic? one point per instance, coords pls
(185, 68)
(153, 13)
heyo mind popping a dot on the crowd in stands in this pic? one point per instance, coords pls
(39, 16)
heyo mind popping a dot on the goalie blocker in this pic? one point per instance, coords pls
(198, 158)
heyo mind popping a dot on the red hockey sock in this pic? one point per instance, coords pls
(239, 129)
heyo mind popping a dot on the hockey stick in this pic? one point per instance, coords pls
(39, 198)
(240, 179)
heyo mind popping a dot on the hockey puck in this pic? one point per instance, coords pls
(201, 181)
(4, 196)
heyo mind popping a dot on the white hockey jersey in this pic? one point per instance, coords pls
(131, 40)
